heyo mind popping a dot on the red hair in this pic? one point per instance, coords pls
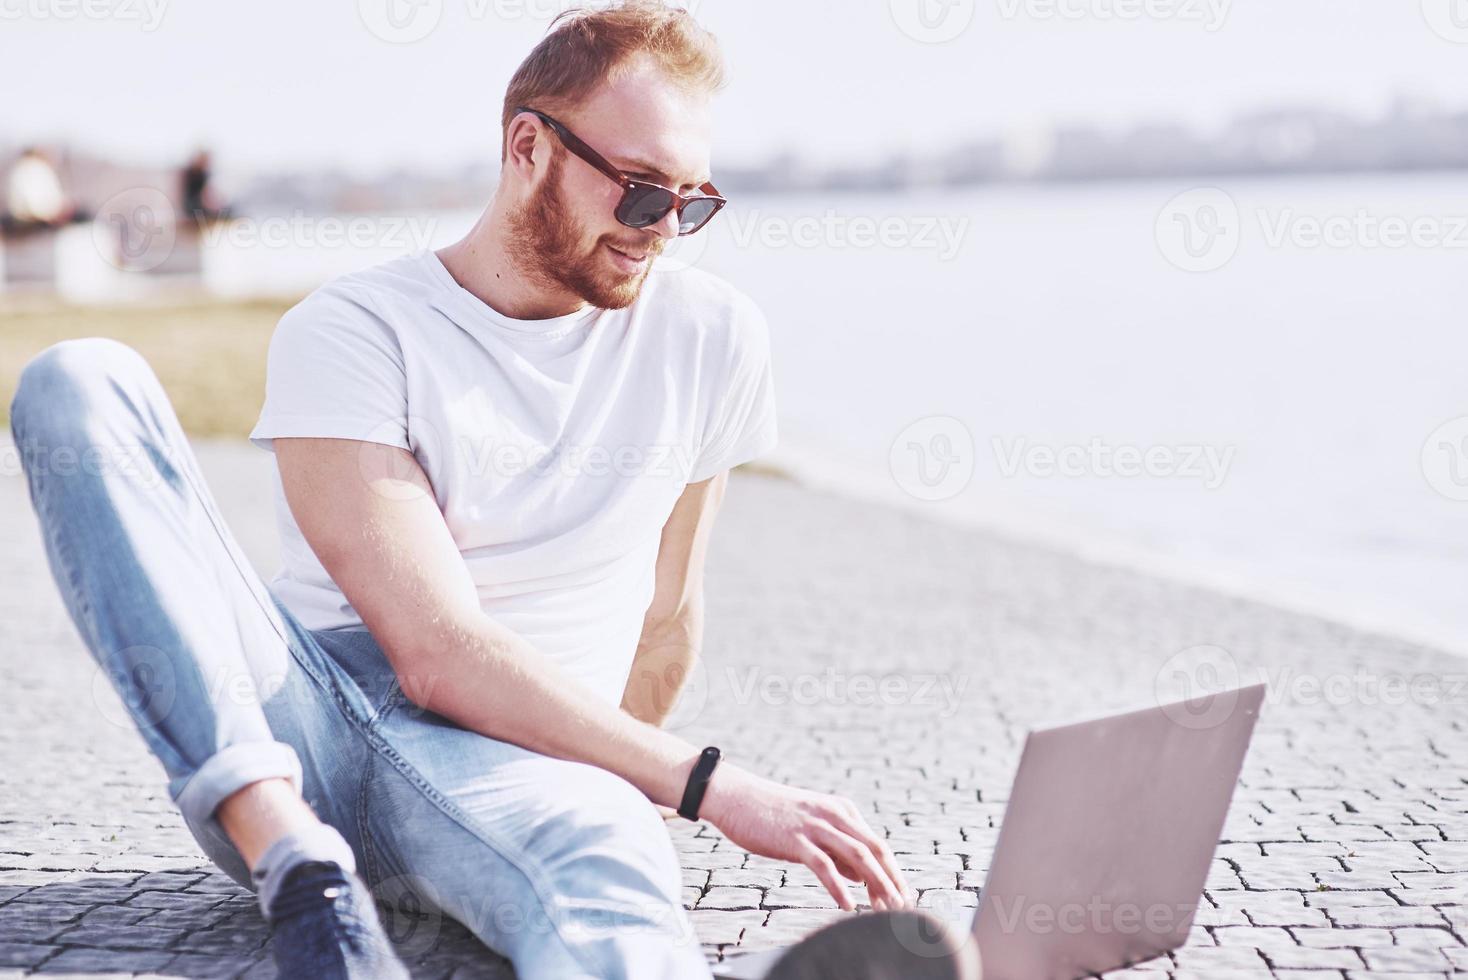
(584, 47)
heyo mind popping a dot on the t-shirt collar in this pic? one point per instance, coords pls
(453, 298)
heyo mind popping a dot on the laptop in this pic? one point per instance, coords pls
(1106, 842)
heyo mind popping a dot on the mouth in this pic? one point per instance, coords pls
(630, 261)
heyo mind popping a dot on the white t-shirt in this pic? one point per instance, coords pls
(556, 448)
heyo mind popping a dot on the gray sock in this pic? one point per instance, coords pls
(318, 843)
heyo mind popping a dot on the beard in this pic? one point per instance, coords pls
(546, 243)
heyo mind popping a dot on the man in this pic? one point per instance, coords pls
(499, 467)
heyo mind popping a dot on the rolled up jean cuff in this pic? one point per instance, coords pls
(230, 770)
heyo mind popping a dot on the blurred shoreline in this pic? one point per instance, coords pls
(816, 469)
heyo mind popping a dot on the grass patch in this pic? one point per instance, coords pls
(209, 355)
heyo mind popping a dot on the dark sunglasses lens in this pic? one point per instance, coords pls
(695, 213)
(642, 206)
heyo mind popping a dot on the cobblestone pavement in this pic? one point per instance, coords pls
(851, 649)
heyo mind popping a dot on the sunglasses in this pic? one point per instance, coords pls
(643, 203)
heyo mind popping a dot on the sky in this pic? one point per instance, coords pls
(310, 84)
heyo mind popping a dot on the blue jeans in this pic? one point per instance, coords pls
(564, 868)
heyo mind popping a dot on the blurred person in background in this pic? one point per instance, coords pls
(196, 189)
(34, 196)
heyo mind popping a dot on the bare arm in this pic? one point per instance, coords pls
(672, 630)
(369, 514)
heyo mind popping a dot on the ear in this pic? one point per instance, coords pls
(527, 147)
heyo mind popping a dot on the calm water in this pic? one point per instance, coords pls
(1278, 405)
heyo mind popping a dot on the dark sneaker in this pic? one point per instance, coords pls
(325, 927)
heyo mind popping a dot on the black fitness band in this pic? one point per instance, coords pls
(698, 783)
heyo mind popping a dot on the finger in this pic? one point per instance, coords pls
(859, 857)
(855, 875)
(862, 831)
(816, 859)
(851, 874)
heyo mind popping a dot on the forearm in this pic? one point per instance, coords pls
(666, 654)
(489, 680)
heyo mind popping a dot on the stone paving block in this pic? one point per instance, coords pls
(1303, 958)
(88, 891)
(935, 863)
(17, 954)
(747, 878)
(33, 922)
(116, 962)
(947, 900)
(1258, 937)
(1289, 877)
(224, 942)
(1338, 898)
(787, 926)
(1209, 915)
(724, 928)
(731, 898)
(1413, 832)
(1388, 916)
(1456, 881)
(1399, 959)
(799, 898)
(198, 967)
(711, 860)
(1271, 908)
(109, 935)
(1357, 880)
(168, 880)
(1425, 938)
(1210, 961)
(1339, 938)
(189, 920)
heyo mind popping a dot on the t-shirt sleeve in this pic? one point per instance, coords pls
(334, 371)
(743, 417)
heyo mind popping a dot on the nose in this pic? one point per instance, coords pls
(667, 226)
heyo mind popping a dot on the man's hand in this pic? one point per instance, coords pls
(825, 833)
